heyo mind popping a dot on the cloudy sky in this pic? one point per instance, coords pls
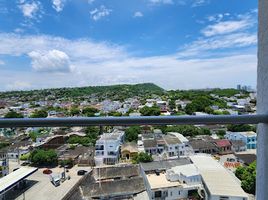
(177, 44)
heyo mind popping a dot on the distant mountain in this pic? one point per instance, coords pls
(113, 91)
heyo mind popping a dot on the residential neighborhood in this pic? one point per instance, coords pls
(131, 162)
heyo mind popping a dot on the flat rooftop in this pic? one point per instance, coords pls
(217, 179)
(160, 181)
(13, 178)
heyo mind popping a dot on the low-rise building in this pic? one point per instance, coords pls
(248, 137)
(107, 148)
(129, 150)
(218, 182)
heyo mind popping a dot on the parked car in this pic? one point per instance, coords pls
(81, 172)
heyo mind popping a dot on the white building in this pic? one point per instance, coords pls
(218, 182)
(164, 186)
(174, 147)
(187, 174)
(107, 148)
(248, 137)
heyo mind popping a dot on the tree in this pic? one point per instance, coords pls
(42, 157)
(132, 133)
(150, 111)
(74, 111)
(13, 114)
(199, 104)
(247, 175)
(89, 111)
(142, 157)
(39, 114)
(240, 127)
(172, 104)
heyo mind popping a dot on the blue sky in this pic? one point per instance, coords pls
(177, 44)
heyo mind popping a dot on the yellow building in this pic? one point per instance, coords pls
(129, 150)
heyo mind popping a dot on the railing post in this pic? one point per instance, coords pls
(262, 102)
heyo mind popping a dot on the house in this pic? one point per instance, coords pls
(65, 153)
(112, 182)
(224, 146)
(248, 137)
(238, 145)
(171, 181)
(129, 150)
(203, 146)
(107, 148)
(174, 147)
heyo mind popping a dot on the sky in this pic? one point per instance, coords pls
(176, 44)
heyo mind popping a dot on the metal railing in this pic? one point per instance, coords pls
(127, 121)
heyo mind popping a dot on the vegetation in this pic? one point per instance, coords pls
(66, 163)
(42, 157)
(142, 157)
(4, 144)
(25, 156)
(186, 130)
(92, 133)
(13, 114)
(89, 111)
(240, 127)
(150, 111)
(39, 114)
(132, 133)
(247, 175)
(114, 92)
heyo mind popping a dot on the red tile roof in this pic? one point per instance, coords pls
(223, 143)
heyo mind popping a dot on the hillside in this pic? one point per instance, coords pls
(114, 92)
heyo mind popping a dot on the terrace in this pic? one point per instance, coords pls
(261, 118)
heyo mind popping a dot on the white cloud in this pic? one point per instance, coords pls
(2, 62)
(29, 10)
(80, 49)
(235, 40)
(99, 13)
(18, 85)
(226, 27)
(58, 5)
(138, 14)
(51, 61)
(161, 1)
(90, 1)
(197, 3)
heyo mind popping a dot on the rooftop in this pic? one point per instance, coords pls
(160, 181)
(11, 179)
(164, 164)
(186, 170)
(216, 178)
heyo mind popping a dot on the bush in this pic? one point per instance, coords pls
(25, 156)
(39, 114)
(142, 157)
(247, 175)
(43, 157)
(13, 114)
(132, 133)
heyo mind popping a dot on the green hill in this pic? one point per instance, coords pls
(114, 92)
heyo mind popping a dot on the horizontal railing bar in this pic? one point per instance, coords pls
(125, 121)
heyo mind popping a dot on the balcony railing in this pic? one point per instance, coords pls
(127, 121)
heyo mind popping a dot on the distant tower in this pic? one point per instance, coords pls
(238, 87)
